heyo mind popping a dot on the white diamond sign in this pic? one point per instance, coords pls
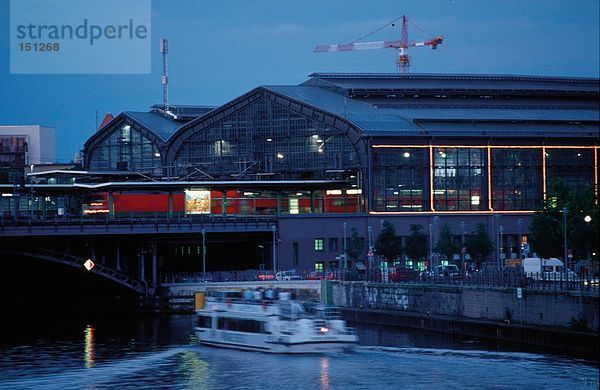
(89, 264)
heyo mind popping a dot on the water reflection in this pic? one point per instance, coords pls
(196, 370)
(161, 352)
(89, 345)
(324, 377)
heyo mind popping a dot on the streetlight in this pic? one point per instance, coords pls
(430, 247)
(436, 221)
(345, 249)
(520, 224)
(274, 229)
(587, 220)
(31, 190)
(500, 246)
(370, 252)
(262, 256)
(203, 253)
(496, 233)
(565, 211)
(462, 243)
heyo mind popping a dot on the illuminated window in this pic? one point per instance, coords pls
(294, 208)
(319, 244)
(399, 176)
(459, 178)
(319, 266)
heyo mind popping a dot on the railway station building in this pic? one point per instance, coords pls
(347, 151)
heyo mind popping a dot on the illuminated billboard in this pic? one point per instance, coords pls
(197, 202)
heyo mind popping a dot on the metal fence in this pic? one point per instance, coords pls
(498, 278)
(501, 278)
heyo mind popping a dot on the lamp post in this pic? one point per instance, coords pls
(462, 244)
(370, 252)
(565, 211)
(520, 225)
(262, 257)
(500, 246)
(436, 227)
(203, 231)
(274, 230)
(345, 249)
(587, 220)
(430, 248)
(31, 190)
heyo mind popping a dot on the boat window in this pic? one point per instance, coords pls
(203, 321)
(241, 325)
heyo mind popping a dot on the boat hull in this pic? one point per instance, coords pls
(267, 346)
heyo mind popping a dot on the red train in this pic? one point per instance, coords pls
(237, 203)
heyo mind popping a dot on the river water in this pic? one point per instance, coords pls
(112, 351)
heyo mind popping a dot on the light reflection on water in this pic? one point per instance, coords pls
(324, 360)
(162, 352)
(89, 345)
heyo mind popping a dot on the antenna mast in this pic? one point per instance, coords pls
(164, 49)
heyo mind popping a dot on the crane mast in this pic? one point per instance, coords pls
(401, 45)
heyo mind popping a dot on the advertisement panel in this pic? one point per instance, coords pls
(197, 202)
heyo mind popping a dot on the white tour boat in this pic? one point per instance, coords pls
(280, 326)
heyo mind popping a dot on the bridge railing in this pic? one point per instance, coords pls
(162, 218)
(499, 278)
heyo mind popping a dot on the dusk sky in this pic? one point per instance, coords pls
(221, 49)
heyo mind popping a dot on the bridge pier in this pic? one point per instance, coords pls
(142, 264)
(154, 264)
(118, 265)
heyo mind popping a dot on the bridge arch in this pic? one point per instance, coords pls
(101, 270)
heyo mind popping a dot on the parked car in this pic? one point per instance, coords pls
(320, 275)
(448, 271)
(265, 276)
(547, 269)
(401, 274)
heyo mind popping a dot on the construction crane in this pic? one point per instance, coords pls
(401, 45)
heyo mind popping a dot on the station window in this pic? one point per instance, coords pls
(333, 244)
(319, 266)
(319, 242)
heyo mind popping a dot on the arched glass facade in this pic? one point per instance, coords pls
(126, 149)
(265, 138)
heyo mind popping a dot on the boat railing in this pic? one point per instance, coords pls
(321, 310)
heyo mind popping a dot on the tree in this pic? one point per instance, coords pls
(416, 243)
(356, 246)
(547, 229)
(445, 246)
(387, 244)
(478, 244)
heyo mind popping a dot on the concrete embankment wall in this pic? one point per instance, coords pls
(558, 309)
